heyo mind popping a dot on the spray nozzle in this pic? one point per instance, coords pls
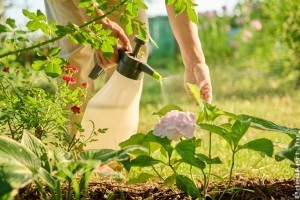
(144, 67)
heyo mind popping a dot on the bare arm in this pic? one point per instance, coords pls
(196, 70)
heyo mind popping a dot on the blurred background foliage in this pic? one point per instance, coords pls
(258, 34)
(257, 44)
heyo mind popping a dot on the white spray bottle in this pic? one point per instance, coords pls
(116, 105)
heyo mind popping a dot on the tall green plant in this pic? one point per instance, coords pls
(164, 152)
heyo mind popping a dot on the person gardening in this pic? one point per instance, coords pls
(84, 57)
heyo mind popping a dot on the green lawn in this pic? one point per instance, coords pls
(239, 91)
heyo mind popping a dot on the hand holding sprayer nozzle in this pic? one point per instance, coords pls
(130, 65)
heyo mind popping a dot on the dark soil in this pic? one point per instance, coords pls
(277, 189)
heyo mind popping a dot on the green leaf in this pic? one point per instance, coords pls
(53, 70)
(142, 32)
(169, 2)
(170, 181)
(47, 178)
(39, 65)
(129, 7)
(180, 6)
(165, 142)
(41, 15)
(21, 32)
(6, 191)
(132, 9)
(192, 14)
(152, 41)
(239, 128)
(108, 155)
(33, 25)
(40, 53)
(289, 154)
(262, 145)
(54, 51)
(11, 22)
(129, 27)
(144, 161)
(17, 176)
(90, 11)
(18, 154)
(28, 14)
(186, 149)
(18, 165)
(36, 146)
(84, 3)
(59, 61)
(4, 29)
(143, 177)
(185, 184)
(217, 130)
(208, 160)
(263, 124)
(143, 6)
(62, 156)
(167, 109)
(107, 48)
(22, 39)
(123, 20)
(195, 92)
(135, 139)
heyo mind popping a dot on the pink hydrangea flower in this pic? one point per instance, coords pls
(256, 25)
(176, 124)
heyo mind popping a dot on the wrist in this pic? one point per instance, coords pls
(192, 63)
(193, 58)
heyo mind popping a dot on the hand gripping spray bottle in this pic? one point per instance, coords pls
(116, 105)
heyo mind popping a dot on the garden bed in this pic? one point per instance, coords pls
(104, 189)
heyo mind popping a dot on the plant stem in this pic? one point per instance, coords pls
(204, 182)
(69, 190)
(191, 174)
(209, 156)
(231, 168)
(31, 47)
(58, 191)
(11, 131)
(41, 189)
(158, 173)
(63, 35)
(231, 171)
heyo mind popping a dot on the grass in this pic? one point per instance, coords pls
(240, 91)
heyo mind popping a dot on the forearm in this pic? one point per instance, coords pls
(186, 34)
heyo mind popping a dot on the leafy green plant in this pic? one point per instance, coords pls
(164, 152)
(31, 161)
(26, 105)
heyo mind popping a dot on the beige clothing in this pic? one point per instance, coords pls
(64, 11)
(82, 57)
